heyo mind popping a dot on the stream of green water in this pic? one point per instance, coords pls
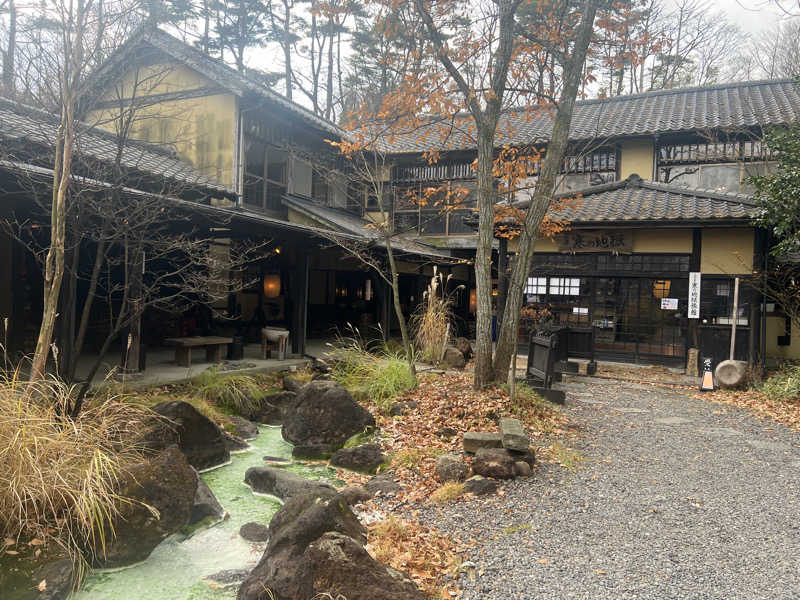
(177, 569)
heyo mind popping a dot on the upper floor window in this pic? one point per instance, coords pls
(723, 167)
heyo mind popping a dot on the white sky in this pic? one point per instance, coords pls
(753, 16)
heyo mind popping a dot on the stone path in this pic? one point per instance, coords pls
(678, 498)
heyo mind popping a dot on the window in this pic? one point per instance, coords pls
(536, 285)
(565, 286)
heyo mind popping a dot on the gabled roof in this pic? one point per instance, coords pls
(23, 129)
(635, 200)
(343, 222)
(214, 69)
(728, 106)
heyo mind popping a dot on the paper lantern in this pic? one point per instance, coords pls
(272, 285)
(473, 300)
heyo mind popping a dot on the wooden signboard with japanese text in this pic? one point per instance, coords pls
(618, 242)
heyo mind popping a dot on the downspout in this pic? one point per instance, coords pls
(763, 324)
(237, 175)
(655, 158)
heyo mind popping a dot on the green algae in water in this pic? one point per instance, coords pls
(176, 568)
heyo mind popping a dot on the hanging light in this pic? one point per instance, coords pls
(272, 285)
(473, 300)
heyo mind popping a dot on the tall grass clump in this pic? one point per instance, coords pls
(239, 394)
(431, 323)
(59, 475)
(369, 369)
(783, 385)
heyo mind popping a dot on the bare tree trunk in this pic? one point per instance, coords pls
(543, 193)
(10, 51)
(287, 47)
(86, 312)
(54, 263)
(483, 257)
(329, 91)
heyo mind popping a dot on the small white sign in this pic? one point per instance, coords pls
(694, 296)
(669, 304)
(579, 311)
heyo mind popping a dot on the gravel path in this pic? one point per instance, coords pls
(678, 498)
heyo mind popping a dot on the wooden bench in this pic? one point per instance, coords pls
(184, 345)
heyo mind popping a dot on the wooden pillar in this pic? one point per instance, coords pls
(300, 303)
(132, 342)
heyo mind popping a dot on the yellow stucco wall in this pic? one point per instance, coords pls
(727, 251)
(776, 326)
(201, 130)
(662, 240)
(636, 156)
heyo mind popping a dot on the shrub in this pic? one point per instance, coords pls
(447, 492)
(431, 322)
(783, 385)
(369, 370)
(239, 394)
(58, 475)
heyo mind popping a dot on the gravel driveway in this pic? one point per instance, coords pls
(678, 498)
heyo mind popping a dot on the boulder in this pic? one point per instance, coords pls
(59, 577)
(198, 437)
(731, 374)
(383, 484)
(233, 443)
(324, 413)
(400, 408)
(341, 567)
(479, 485)
(304, 518)
(226, 579)
(312, 451)
(514, 436)
(464, 346)
(447, 432)
(355, 494)
(205, 503)
(290, 384)
(527, 457)
(494, 462)
(522, 469)
(280, 483)
(365, 459)
(167, 483)
(254, 532)
(451, 467)
(272, 409)
(453, 358)
(472, 441)
(244, 429)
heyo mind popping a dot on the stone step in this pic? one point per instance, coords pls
(474, 440)
(513, 434)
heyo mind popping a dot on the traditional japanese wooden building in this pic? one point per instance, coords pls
(661, 180)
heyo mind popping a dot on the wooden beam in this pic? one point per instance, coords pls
(300, 277)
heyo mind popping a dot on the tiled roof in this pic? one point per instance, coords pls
(342, 221)
(727, 106)
(637, 200)
(23, 128)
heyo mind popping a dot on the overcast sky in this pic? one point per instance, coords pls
(752, 16)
